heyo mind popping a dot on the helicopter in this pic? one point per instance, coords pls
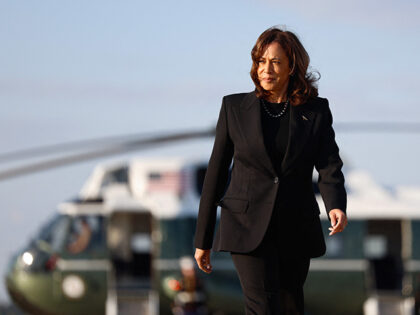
(105, 251)
(116, 248)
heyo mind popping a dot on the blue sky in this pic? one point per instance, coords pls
(71, 70)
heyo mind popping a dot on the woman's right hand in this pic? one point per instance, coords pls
(202, 256)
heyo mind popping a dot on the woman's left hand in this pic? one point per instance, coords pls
(338, 221)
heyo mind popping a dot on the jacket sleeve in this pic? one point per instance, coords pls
(328, 164)
(215, 182)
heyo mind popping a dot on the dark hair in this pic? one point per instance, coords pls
(301, 82)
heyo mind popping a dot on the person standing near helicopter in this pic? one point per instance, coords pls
(269, 220)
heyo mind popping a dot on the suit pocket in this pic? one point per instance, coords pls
(234, 204)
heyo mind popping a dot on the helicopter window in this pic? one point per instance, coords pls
(86, 233)
(118, 176)
(415, 228)
(375, 246)
(348, 244)
(200, 174)
(55, 231)
(334, 246)
(315, 187)
(177, 237)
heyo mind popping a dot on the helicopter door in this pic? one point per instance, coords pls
(130, 247)
(82, 266)
(382, 247)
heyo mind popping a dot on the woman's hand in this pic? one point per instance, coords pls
(338, 221)
(202, 256)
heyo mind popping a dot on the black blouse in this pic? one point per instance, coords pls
(276, 135)
(275, 131)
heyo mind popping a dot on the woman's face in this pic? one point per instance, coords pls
(273, 69)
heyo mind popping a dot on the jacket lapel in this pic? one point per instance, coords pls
(300, 126)
(301, 120)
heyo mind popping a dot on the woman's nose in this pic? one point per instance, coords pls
(267, 67)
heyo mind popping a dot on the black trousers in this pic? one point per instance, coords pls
(272, 275)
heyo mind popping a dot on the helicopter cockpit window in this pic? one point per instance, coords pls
(118, 176)
(54, 233)
(85, 233)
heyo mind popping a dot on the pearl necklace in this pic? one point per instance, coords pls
(275, 115)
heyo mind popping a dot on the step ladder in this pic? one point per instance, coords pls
(388, 304)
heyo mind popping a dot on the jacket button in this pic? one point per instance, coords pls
(276, 180)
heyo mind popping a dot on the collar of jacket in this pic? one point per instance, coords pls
(300, 123)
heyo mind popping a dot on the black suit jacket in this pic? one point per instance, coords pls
(247, 204)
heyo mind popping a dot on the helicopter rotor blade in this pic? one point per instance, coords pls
(121, 144)
(112, 149)
(59, 148)
(75, 145)
(374, 127)
(348, 127)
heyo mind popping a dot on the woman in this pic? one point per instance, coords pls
(269, 215)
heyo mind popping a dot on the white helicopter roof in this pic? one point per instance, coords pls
(365, 198)
(102, 207)
(93, 185)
